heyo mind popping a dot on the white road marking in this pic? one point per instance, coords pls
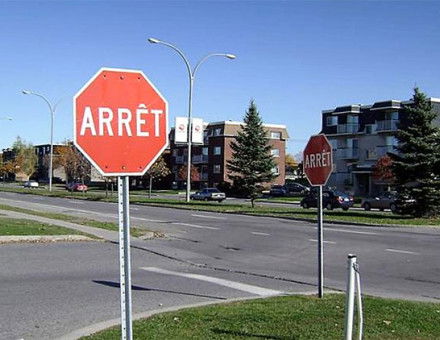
(402, 251)
(133, 208)
(231, 284)
(146, 219)
(329, 242)
(206, 216)
(350, 231)
(257, 233)
(78, 202)
(196, 226)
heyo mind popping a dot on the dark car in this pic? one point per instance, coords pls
(330, 200)
(77, 187)
(385, 200)
(296, 189)
(208, 194)
(278, 190)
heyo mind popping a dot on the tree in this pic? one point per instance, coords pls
(251, 164)
(25, 157)
(195, 174)
(76, 166)
(383, 170)
(291, 164)
(417, 164)
(158, 169)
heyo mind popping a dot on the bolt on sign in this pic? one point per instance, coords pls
(120, 122)
(318, 162)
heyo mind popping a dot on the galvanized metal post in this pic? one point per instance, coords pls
(124, 257)
(320, 246)
(349, 299)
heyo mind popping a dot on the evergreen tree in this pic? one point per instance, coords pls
(417, 166)
(251, 163)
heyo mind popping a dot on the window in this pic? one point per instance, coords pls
(370, 129)
(352, 119)
(217, 150)
(391, 140)
(333, 143)
(216, 169)
(392, 115)
(275, 152)
(205, 151)
(332, 120)
(275, 135)
(218, 132)
(175, 152)
(276, 170)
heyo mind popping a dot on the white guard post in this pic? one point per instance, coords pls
(320, 246)
(352, 279)
(124, 257)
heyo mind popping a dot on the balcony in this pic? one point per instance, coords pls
(197, 159)
(348, 153)
(386, 125)
(204, 176)
(347, 128)
(383, 150)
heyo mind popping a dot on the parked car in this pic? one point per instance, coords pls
(30, 184)
(278, 190)
(289, 189)
(77, 187)
(330, 200)
(385, 200)
(296, 189)
(208, 194)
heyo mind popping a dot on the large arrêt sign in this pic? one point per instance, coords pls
(120, 122)
(318, 160)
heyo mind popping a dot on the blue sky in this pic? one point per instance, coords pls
(294, 58)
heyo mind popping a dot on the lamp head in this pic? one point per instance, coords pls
(230, 56)
(26, 92)
(153, 40)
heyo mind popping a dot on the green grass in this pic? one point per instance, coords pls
(136, 232)
(291, 317)
(22, 227)
(280, 199)
(368, 217)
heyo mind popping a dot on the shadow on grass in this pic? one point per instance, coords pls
(138, 288)
(251, 335)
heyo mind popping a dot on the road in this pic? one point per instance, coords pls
(52, 289)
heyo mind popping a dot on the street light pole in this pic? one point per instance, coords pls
(191, 75)
(52, 109)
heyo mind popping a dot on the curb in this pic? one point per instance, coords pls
(45, 239)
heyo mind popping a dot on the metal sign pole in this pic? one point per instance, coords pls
(124, 257)
(320, 246)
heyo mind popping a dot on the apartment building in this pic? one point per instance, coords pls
(211, 157)
(360, 135)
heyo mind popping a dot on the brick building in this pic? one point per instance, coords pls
(211, 157)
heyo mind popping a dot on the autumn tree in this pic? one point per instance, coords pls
(290, 164)
(158, 170)
(183, 173)
(76, 166)
(25, 159)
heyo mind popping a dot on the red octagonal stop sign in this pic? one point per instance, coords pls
(318, 161)
(120, 122)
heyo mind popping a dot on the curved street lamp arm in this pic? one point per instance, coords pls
(188, 66)
(201, 61)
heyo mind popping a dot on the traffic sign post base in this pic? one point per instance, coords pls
(124, 257)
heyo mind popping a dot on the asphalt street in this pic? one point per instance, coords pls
(49, 290)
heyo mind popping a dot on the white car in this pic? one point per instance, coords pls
(30, 184)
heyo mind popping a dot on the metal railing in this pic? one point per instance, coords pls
(348, 153)
(387, 125)
(383, 150)
(347, 128)
(200, 159)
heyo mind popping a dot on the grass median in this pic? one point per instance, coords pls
(350, 216)
(136, 232)
(22, 227)
(288, 317)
